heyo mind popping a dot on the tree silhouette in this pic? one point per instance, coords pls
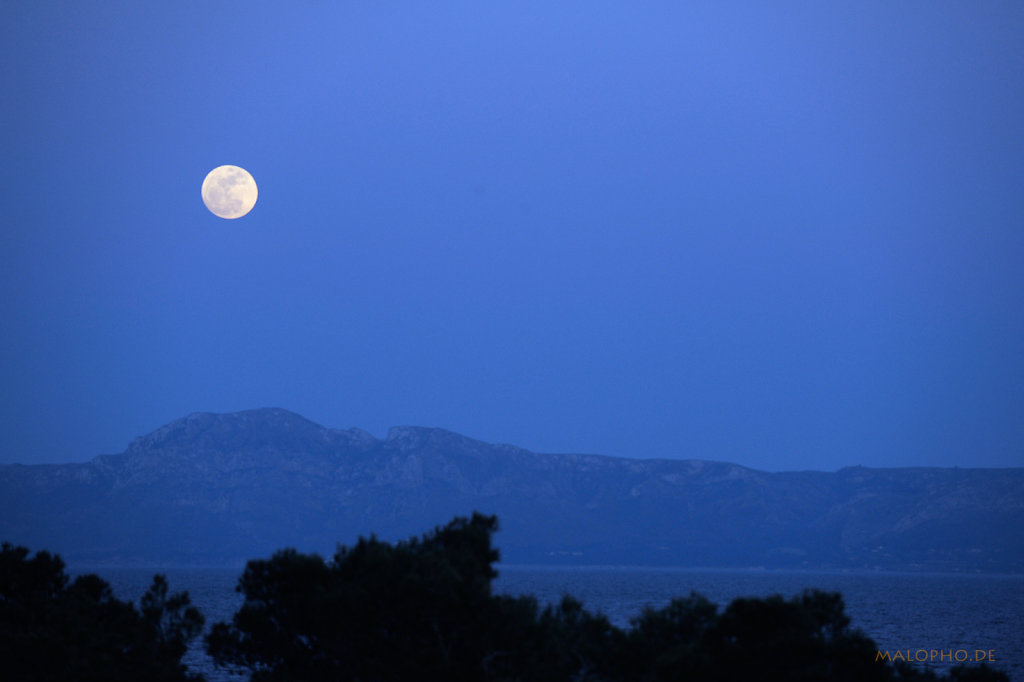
(418, 609)
(55, 629)
(423, 609)
(804, 638)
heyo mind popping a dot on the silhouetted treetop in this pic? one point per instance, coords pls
(53, 629)
(423, 609)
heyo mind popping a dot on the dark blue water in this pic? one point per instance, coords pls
(942, 612)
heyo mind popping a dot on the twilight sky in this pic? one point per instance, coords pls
(784, 234)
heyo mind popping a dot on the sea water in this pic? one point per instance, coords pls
(906, 612)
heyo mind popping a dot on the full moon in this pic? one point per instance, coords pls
(229, 191)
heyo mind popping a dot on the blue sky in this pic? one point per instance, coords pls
(788, 235)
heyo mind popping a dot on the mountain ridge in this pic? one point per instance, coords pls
(222, 488)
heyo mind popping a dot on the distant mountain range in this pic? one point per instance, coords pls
(223, 488)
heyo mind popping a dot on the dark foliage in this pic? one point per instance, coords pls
(419, 609)
(55, 629)
(423, 609)
(804, 638)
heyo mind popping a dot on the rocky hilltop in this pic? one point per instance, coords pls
(223, 488)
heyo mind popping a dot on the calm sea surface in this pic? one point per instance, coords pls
(899, 611)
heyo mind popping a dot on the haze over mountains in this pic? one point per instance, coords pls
(223, 488)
